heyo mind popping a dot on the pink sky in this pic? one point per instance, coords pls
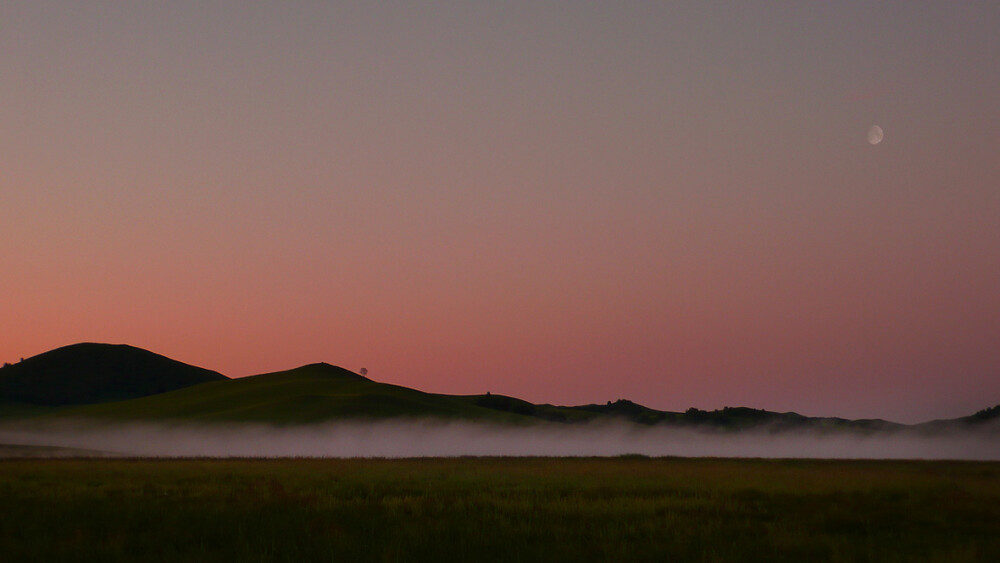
(568, 202)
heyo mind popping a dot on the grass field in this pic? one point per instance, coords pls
(498, 509)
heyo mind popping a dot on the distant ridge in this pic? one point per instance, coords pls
(120, 382)
(88, 373)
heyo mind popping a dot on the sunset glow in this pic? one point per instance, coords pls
(568, 202)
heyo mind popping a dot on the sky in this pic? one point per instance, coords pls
(565, 201)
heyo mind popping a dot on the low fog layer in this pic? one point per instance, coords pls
(426, 439)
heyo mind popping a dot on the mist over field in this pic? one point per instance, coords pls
(428, 438)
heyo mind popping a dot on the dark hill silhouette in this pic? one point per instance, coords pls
(988, 418)
(323, 369)
(89, 373)
(985, 415)
(126, 383)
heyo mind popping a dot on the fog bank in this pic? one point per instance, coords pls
(436, 439)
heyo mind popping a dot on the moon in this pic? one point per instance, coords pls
(875, 135)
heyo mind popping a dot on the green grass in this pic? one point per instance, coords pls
(19, 411)
(498, 509)
(305, 395)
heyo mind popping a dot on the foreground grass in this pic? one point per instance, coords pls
(498, 509)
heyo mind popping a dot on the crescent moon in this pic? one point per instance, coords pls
(875, 135)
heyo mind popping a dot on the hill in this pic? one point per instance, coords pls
(120, 382)
(322, 392)
(988, 419)
(89, 373)
(311, 393)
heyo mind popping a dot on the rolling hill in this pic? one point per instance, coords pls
(311, 393)
(90, 373)
(117, 382)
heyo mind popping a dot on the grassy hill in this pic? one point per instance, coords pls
(309, 394)
(321, 392)
(126, 383)
(94, 373)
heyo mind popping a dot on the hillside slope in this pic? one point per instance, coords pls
(309, 394)
(119, 383)
(90, 373)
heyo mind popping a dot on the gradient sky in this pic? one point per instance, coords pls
(565, 201)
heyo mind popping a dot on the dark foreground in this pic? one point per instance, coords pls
(498, 509)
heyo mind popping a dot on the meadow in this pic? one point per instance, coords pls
(498, 509)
